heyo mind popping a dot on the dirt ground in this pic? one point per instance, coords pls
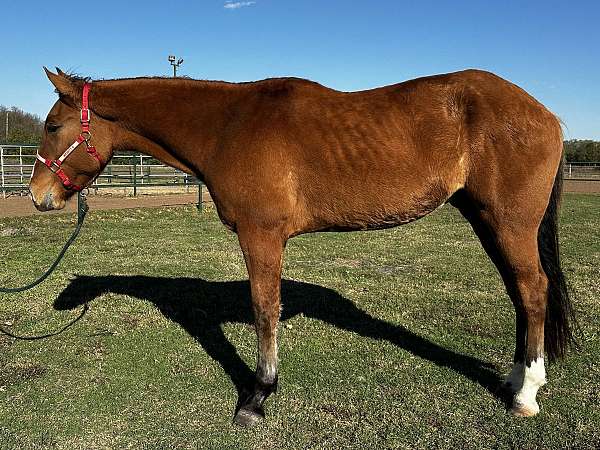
(581, 186)
(21, 206)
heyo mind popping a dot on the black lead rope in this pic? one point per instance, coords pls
(82, 209)
(54, 333)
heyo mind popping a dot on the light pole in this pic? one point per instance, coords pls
(176, 63)
(6, 134)
(172, 60)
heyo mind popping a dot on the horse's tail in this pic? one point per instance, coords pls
(560, 316)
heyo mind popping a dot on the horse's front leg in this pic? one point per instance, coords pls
(263, 253)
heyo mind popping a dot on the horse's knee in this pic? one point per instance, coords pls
(532, 286)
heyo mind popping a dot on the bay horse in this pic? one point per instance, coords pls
(287, 156)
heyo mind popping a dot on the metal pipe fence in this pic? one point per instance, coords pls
(134, 172)
(137, 171)
(584, 171)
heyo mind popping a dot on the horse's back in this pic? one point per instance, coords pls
(329, 160)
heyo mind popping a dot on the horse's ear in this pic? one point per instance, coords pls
(64, 86)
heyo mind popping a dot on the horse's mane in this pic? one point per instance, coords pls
(80, 78)
(74, 76)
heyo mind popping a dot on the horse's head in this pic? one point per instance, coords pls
(74, 150)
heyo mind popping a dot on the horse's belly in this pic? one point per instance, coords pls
(372, 208)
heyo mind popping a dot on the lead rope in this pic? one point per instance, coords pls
(82, 209)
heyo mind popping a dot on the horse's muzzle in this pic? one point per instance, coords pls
(48, 203)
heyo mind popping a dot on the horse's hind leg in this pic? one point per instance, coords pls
(529, 286)
(512, 245)
(263, 253)
(488, 239)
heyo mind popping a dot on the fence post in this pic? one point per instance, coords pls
(142, 167)
(2, 170)
(135, 178)
(199, 205)
(21, 162)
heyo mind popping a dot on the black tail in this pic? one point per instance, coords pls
(560, 317)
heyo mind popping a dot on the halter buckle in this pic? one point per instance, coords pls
(54, 166)
(88, 114)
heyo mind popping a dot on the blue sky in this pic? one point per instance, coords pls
(552, 49)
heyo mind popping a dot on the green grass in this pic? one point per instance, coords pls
(391, 339)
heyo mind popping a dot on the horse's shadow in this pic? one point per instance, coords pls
(201, 307)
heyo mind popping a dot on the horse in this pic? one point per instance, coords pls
(287, 156)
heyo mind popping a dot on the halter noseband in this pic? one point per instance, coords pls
(55, 165)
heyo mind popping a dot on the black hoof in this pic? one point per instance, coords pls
(248, 417)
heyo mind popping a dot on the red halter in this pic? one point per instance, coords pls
(55, 165)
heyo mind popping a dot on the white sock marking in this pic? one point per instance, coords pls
(533, 379)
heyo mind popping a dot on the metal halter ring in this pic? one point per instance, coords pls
(87, 135)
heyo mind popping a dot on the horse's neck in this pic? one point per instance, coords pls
(177, 121)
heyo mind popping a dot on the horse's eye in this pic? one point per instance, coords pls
(52, 128)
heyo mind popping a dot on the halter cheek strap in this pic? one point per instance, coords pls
(55, 165)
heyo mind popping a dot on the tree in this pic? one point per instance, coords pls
(23, 128)
(582, 150)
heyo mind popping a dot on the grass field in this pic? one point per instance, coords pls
(390, 339)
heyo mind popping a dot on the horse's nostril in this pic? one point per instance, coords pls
(48, 200)
(46, 204)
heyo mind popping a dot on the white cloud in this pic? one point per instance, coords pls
(230, 4)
